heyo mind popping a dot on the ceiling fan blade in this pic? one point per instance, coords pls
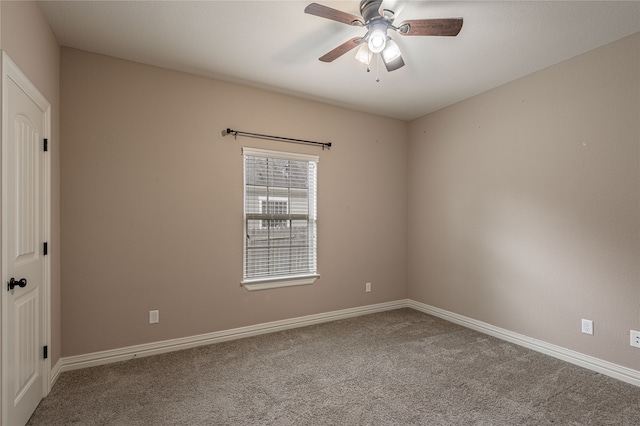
(341, 50)
(394, 64)
(333, 14)
(431, 27)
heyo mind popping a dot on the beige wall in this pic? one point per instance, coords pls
(524, 204)
(28, 40)
(152, 204)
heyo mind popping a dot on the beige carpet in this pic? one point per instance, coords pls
(400, 367)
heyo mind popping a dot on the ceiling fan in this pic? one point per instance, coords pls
(378, 22)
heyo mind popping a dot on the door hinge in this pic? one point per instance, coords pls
(46, 144)
(45, 352)
(45, 249)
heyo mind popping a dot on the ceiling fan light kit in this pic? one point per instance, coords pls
(363, 54)
(377, 37)
(391, 52)
(378, 22)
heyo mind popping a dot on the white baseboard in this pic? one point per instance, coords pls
(122, 354)
(106, 357)
(55, 373)
(595, 364)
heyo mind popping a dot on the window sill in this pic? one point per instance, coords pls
(254, 285)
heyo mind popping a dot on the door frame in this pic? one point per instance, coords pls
(10, 71)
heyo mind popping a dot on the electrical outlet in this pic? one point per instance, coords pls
(154, 317)
(635, 338)
(367, 287)
(587, 326)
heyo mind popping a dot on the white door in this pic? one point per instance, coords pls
(25, 225)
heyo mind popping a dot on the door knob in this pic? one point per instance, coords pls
(13, 282)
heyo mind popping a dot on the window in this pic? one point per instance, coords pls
(279, 219)
(274, 205)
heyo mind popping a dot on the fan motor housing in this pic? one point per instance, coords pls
(370, 9)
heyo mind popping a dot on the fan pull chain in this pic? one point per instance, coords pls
(378, 68)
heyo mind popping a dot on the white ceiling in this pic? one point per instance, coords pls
(275, 45)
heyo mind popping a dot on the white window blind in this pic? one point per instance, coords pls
(279, 216)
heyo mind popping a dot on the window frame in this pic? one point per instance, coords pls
(276, 281)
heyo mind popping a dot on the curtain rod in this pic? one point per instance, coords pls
(237, 133)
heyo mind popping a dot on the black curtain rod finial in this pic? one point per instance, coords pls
(228, 131)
